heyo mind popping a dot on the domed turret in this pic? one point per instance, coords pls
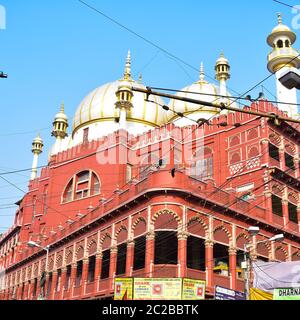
(283, 58)
(222, 68)
(37, 149)
(60, 124)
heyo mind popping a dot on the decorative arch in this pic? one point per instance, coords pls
(105, 241)
(194, 223)
(83, 184)
(263, 249)
(253, 152)
(235, 158)
(234, 141)
(252, 134)
(139, 226)
(293, 198)
(290, 148)
(275, 139)
(167, 212)
(121, 234)
(296, 256)
(51, 263)
(281, 254)
(241, 240)
(277, 190)
(79, 254)
(219, 233)
(59, 262)
(69, 257)
(92, 247)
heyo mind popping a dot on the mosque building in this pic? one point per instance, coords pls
(138, 188)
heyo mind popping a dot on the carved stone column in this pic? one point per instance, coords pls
(85, 266)
(150, 243)
(209, 262)
(129, 258)
(98, 270)
(182, 255)
(232, 267)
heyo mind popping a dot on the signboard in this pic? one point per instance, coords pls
(227, 294)
(193, 289)
(157, 289)
(286, 294)
(123, 289)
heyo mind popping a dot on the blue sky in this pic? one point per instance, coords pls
(61, 50)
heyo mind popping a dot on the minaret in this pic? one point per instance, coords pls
(125, 94)
(222, 69)
(60, 126)
(283, 58)
(37, 149)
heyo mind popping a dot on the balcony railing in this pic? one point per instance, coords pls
(283, 52)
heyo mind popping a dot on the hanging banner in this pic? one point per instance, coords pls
(228, 294)
(257, 294)
(123, 289)
(157, 289)
(272, 275)
(193, 289)
(286, 294)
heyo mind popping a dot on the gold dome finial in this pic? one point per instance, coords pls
(127, 72)
(279, 15)
(202, 74)
(62, 107)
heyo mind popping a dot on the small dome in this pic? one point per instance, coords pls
(38, 139)
(200, 90)
(61, 116)
(222, 60)
(281, 30)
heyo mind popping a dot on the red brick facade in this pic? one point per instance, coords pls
(238, 188)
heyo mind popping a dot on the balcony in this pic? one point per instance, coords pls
(278, 52)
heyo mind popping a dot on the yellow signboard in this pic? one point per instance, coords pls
(157, 289)
(123, 288)
(193, 289)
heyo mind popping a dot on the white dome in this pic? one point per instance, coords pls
(200, 90)
(99, 106)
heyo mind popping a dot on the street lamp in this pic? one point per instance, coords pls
(290, 78)
(33, 244)
(3, 75)
(253, 231)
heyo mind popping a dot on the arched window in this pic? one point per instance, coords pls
(287, 43)
(280, 44)
(84, 184)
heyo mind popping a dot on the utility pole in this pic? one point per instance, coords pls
(247, 263)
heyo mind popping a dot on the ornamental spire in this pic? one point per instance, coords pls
(62, 107)
(202, 74)
(279, 15)
(127, 72)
